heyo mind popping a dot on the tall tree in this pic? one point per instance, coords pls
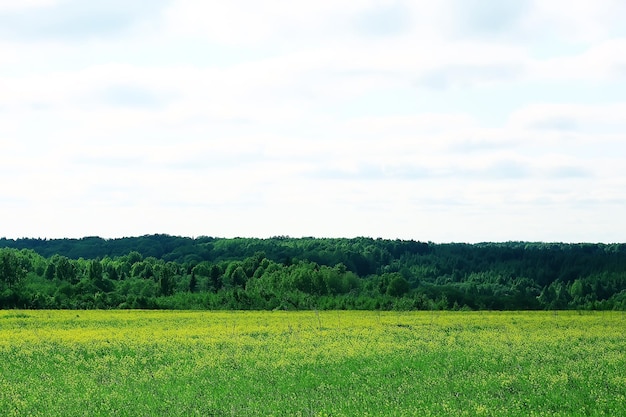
(65, 270)
(11, 271)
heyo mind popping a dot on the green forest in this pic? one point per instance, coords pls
(172, 272)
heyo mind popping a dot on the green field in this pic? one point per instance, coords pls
(333, 363)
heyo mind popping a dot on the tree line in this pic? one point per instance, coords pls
(163, 271)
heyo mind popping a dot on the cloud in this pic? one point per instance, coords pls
(504, 170)
(73, 20)
(8, 5)
(384, 20)
(577, 20)
(470, 75)
(105, 162)
(600, 62)
(130, 96)
(349, 170)
(481, 18)
(482, 142)
(569, 172)
(556, 123)
(244, 22)
(426, 120)
(598, 119)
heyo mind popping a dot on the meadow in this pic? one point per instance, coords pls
(328, 363)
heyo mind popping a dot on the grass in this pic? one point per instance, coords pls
(147, 363)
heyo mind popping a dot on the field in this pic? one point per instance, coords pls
(339, 363)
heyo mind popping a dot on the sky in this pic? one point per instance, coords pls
(443, 121)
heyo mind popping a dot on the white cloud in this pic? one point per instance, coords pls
(246, 22)
(481, 18)
(385, 118)
(598, 119)
(577, 20)
(72, 20)
(9, 5)
(600, 62)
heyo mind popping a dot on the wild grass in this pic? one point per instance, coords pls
(331, 363)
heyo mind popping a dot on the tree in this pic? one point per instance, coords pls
(165, 278)
(65, 270)
(94, 270)
(215, 275)
(333, 278)
(134, 257)
(193, 281)
(398, 286)
(111, 271)
(11, 271)
(238, 277)
(51, 271)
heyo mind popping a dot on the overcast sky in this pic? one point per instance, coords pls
(444, 121)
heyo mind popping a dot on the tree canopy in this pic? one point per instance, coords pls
(163, 271)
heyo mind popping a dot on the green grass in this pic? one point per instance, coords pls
(134, 363)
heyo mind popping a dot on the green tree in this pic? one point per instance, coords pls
(11, 271)
(333, 278)
(398, 286)
(50, 272)
(111, 271)
(65, 270)
(94, 270)
(134, 257)
(215, 274)
(238, 277)
(164, 275)
(193, 282)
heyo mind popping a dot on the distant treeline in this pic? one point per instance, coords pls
(163, 271)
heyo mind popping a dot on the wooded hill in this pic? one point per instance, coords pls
(162, 271)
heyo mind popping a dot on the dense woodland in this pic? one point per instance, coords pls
(170, 272)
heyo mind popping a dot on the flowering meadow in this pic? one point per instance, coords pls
(312, 363)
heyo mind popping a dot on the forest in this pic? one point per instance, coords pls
(284, 273)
